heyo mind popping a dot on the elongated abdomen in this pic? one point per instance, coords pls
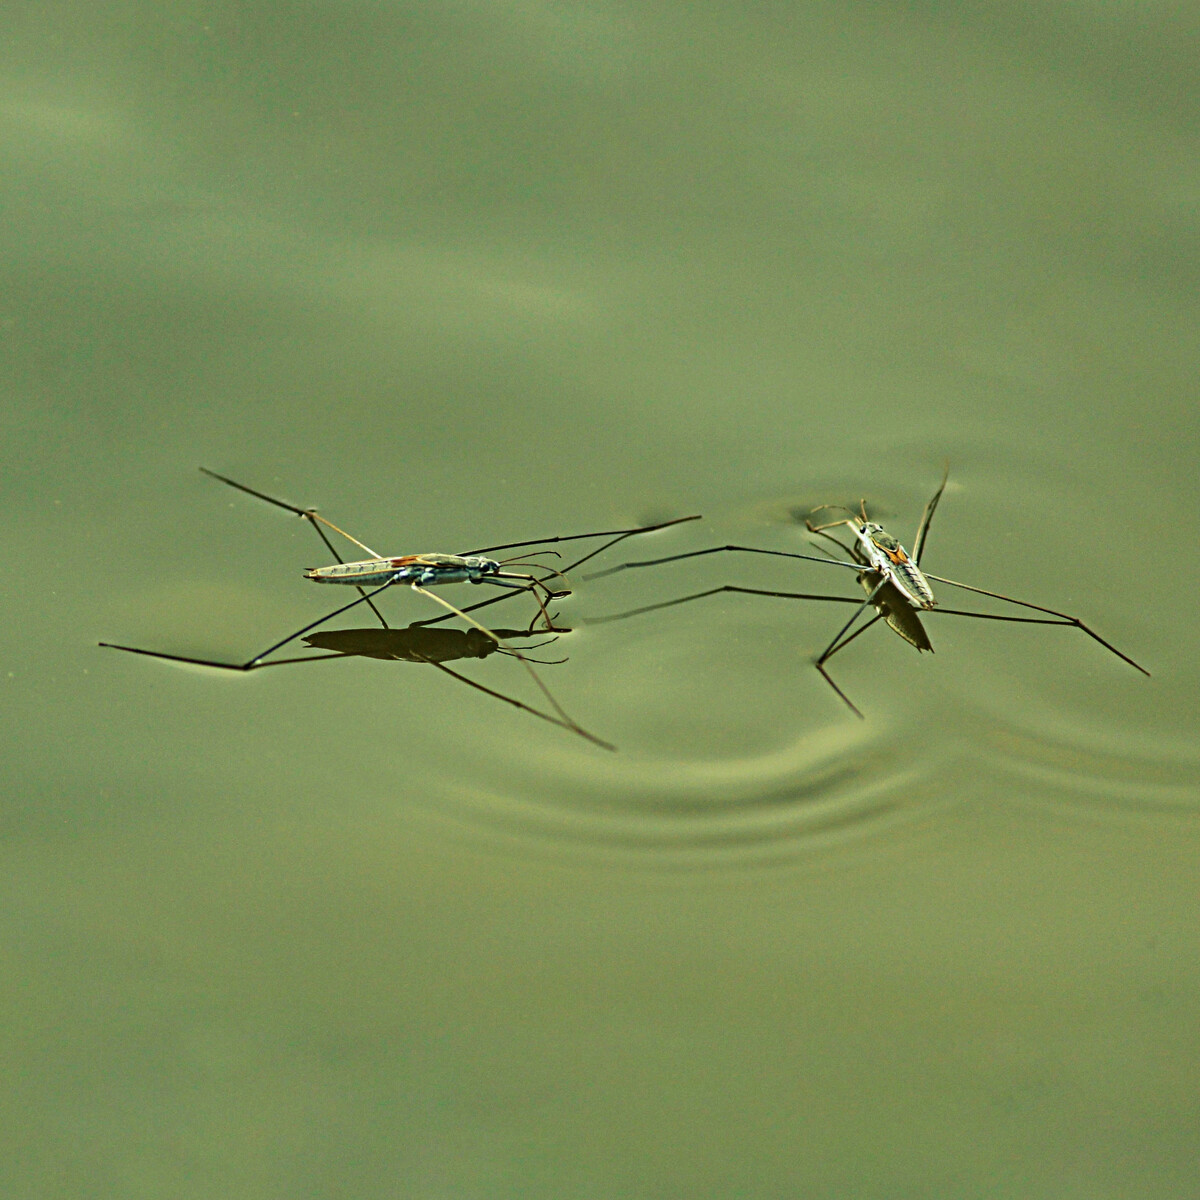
(912, 581)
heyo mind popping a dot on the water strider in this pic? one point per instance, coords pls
(896, 586)
(420, 572)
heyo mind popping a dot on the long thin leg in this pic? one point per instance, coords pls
(1066, 617)
(962, 612)
(620, 537)
(845, 699)
(857, 633)
(862, 608)
(537, 712)
(309, 514)
(832, 649)
(830, 524)
(256, 661)
(834, 646)
(252, 665)
(314, 519)
(847, 550)
(537, 679)
(617, 537)
(729, 587)
(574, 537)
(654, 562)
(748, 591)
(307, 658)
(927, 517)
(829, 679)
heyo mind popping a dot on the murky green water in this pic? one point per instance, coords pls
(468, 274)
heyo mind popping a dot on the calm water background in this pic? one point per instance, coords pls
(467, 273)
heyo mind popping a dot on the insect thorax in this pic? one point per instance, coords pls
(882, 538)
(446, 568)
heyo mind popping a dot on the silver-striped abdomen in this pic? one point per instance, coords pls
(910, 580)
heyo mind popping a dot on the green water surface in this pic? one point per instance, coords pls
(463, 274)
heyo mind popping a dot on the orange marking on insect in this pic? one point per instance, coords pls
(405, 560)
(897, 556)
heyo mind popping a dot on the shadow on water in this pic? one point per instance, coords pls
(416, 644)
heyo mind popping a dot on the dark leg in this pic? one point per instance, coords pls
(654, 562)
(314, 519)
(620, 538)
(566, 721)
(832, 649)
(1066, 618)
(569, 725)
(256, 661)
(729, 587)
(857, 633)
(927, 517)
(829, 679)
(618, 534)
(838, 643)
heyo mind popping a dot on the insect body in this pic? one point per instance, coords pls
(894, 582)
(431, 570)
(428, 570)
